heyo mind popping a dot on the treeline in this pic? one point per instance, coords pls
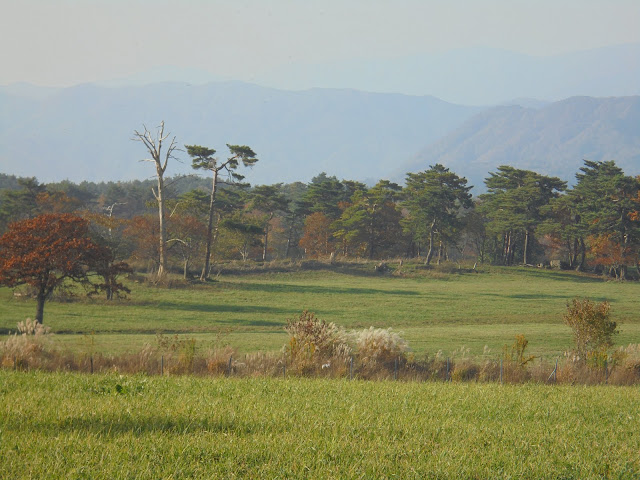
(523, 218)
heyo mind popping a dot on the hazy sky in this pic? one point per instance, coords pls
(66, 42)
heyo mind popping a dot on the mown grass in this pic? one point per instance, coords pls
(65, 425)
(434, 310)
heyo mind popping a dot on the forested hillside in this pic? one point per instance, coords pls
(553, 139)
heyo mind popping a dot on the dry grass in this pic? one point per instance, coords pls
(33, 352)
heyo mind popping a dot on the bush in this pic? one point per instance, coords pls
(314, 342)
(378, 346)
(516, 354)
(592, 329)
(25, 347)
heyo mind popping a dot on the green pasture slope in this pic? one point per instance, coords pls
(64, 425)
(433, 310)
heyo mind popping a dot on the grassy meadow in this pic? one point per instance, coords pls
(434, 310)
(64, 425)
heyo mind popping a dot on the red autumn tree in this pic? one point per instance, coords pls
(46, 251)
(142, 231)
(317, 236)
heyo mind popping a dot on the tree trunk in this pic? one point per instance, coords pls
(266, 243)
(289, 235)
(526, 246)
(162, 268)
(266, 237)
(40, 299)
(207, 256)
(506, 249)
(583, 256)
(108, 290)
(371, 234)
(430, 252)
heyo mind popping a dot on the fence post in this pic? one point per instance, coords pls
(351, 368)
(448, 369)
(554, 373)
(395, 369)
(606, 371)
(91, 360)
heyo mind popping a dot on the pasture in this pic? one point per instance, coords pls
(434, 310)
(63, 425)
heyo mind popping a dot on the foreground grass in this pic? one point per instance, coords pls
(80, 426)
(435, 311)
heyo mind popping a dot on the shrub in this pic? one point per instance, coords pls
(26, 346)
(179, 354)
(378, 346)
(465, 371)
(218, 360)
(592, 328)
(314, 342)
(516, 354)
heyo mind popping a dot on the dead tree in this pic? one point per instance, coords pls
(154, 147)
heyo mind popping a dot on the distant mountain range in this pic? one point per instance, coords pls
(554, 139)
(468, 76)
(479, 76)
(84, 132)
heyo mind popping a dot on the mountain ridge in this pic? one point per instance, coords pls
(553, 140)
(84, 132)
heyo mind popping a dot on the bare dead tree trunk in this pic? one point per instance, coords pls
(154, 147)
(162, 248)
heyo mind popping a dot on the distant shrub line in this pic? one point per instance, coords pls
(320, 349)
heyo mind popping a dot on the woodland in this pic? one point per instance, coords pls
(523, 217)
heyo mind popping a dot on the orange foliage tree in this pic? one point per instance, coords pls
(46, 251)
(142, 231)
(317, 236)
(611, 253)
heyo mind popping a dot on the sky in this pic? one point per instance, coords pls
(68, 42)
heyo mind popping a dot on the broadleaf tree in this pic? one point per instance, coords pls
(46, 251)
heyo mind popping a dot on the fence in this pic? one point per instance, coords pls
(399, 368)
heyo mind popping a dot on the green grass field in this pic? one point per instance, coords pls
(433, 310)
(65, 425)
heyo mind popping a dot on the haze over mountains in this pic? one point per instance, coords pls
(84, 132)
(479, 76)
(554, 139)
